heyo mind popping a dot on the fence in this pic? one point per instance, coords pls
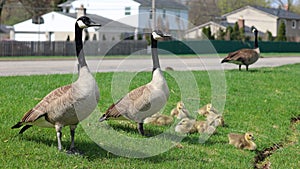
(91, 48)
(127, 47)
(213, 46)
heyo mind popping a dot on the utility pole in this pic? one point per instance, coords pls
(153, 16)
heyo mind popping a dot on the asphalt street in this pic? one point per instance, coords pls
(11, 68)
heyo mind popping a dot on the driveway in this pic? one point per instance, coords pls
(9, 68)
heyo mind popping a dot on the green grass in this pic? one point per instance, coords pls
(134, 56)
(262, 101)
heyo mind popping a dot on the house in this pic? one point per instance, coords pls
(171, 16)
(5, 32)
(59, 26)
(268, 19)
(215, 27)
(264, 19)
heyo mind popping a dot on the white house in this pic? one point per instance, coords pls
(171, 16)
(268, 19)
(264, 19)
(59, 26)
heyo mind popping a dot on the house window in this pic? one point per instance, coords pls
(127, 10)
(294, 24)
(164, 13)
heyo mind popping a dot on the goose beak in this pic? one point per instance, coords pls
(94, 24)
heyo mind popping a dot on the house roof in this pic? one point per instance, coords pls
(5, 28)
(221, 24)
(162, 4)
(281, 13)
(144, 3)
(68, 3)
(101, 20)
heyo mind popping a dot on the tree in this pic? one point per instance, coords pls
(281, 36)
(2, 2)
(207, 32)
(221, 34)
(226, 6)
(202, 11)
(269, 36)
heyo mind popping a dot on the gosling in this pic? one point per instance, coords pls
(159, 119)
(242, 141)
(213, 117)
(180, 111)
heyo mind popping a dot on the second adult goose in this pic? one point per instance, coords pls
(244, 56)
(145, 100)
(67, 105)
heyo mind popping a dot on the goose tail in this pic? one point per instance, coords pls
(18, 125)
(103, 118)
(224, 60)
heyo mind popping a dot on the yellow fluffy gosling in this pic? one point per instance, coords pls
(242, 141)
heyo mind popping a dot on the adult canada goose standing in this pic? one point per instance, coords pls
(145, 100)
(244, 56)
(67, 105)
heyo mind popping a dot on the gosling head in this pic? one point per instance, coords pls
(85, 22)
(249, 136)
(180, 105)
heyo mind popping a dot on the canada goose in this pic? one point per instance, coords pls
(244, 56)
(145, 100)
(180, 111)
(242, 141)
(212, 116)
(159, 119)
(67, 105)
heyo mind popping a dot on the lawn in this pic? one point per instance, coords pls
(262, 101)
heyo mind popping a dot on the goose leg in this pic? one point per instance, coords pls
(247, 67)
(141, 128)
(72, 131)
(58, 135)
(240, 66)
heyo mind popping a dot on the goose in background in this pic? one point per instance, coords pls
(180, 111)
(244, 56)
(145, 100)
(187, 125)
(242, 141)
(70, 104)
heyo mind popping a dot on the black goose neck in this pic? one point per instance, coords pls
(79, 46)
(255, 39)
(154, 53)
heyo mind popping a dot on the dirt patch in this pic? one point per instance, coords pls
(259, 159)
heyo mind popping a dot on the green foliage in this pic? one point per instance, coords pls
(281, 35)
(207, 32)
(269, 36)
(228, 5)
(261, 100)
(221, 34)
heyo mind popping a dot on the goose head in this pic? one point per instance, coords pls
(253, 29)
(158, 34)
(85, 22)
(249, 136)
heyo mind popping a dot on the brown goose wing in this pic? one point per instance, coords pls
(42, 107)
(134, 101)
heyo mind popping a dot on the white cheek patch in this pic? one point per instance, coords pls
(81, 24)
(156, 36)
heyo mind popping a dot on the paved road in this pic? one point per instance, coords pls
(9, 68)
